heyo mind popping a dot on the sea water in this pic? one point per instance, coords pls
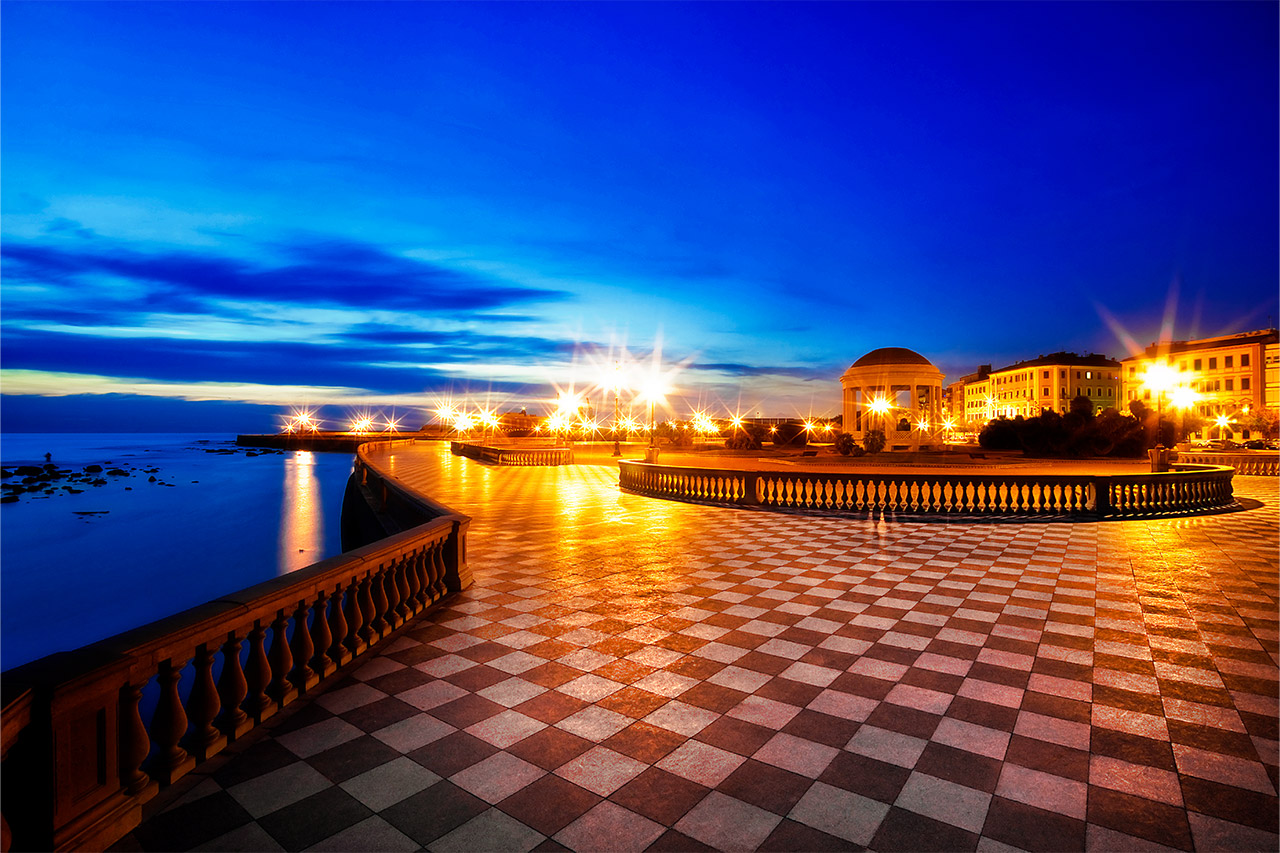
(75, 568)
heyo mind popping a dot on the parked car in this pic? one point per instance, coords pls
(1255, 444)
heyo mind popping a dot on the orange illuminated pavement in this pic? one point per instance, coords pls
(630, 673)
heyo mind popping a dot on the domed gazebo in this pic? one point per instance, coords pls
(891, 388)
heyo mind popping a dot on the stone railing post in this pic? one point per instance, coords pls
(170, 761)
(203, 705)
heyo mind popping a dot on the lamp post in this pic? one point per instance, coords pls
(617, 387)
(1159, 378)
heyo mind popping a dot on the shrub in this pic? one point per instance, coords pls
(845, 444)
(873, 441)
(1001, 434)
(790, 434)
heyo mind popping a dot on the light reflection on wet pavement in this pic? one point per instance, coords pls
(631, 673)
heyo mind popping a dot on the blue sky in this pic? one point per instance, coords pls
(212, 212)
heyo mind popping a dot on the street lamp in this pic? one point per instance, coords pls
(1222, 421)
(617, 388)
(1159, 378)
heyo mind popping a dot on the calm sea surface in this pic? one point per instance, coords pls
(75, 568)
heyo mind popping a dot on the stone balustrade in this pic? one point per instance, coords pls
(80, 757)
(513, 455)
(1187, 489)
(1253, 463)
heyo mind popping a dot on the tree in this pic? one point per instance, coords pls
(1265, 421)
(1082, 406)
(1001, 434)
(873, 441)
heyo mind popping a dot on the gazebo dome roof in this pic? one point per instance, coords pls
(891, 355)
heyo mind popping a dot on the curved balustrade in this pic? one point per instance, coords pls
(500, 455)
(73, 730)
(1259, 464)
(1189, 488)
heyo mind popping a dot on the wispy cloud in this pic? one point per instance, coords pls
(309, 271)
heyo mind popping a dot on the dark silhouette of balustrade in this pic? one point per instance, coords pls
(500, 455)
(79, 757)
(1188, 488)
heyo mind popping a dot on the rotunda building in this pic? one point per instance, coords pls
(896, 390)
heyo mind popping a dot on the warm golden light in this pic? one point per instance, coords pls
(362, 425)
(1183, 398)
(922, 424)
(879, 405)
(1159, 377)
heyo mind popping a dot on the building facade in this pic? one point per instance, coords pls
(1027, 388)
(895, 390)
(1232, 375)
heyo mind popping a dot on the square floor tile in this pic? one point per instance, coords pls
(700, 762)
(497, 777)
(609, 826)
(727, 823)
(600, 770)
(489, 830)
(549, 804)
(389, 783)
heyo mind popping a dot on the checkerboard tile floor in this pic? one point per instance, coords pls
(636, 674)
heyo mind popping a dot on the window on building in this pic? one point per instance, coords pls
(1146, 394)
(1226, 361)
(1244, 383)
(1182, 365)
(1088, 374)
(1133, 371)
(1111, 392)
(1244, 359)
(1046, 374)
(1195, 365)
(1217, 384)
(1077, 374)
(1062, 392)
(1213, 364)
(1229, 388)
(1063, 373)
(1088, 392)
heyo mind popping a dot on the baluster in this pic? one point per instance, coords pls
(422, 577)
(281, 657)
(438, 572)
(203, 705)
(134, 745)
(414, 576)
(257, 704)
(381, 621)
(338, 651)
(321, 636)
(355, 640)
(404, 594)
(369, 631)
(391, 593)
(404, 608)
(303, 676)
(232, 688)
(169, 724)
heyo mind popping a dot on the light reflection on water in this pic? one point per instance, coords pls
(301, 519)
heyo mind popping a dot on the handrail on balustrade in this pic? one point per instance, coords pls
(79, 761)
